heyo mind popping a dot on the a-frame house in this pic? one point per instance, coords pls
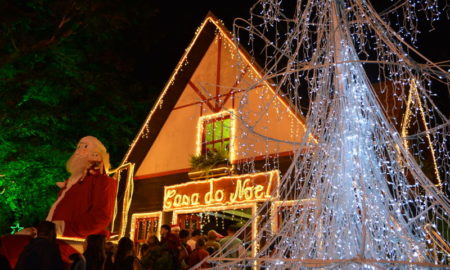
(214, 101)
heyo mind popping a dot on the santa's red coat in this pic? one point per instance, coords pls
(88, 206)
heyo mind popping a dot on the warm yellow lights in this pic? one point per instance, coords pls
(228, 190)
(128, 194)
(145, 129)
(414, 97)
(222, 114)
(74, 239)
(276, 207)
(255, 222)
(247, 60)
(137, 216)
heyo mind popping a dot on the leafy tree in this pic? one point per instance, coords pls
(67, 70)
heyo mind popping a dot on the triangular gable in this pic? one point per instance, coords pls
(180, 80)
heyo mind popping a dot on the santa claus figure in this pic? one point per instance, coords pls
(85, 203)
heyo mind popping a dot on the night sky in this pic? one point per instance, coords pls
(176, 24)
(178, 21)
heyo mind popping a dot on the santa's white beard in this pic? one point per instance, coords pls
(77, 165)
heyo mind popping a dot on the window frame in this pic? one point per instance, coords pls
(204, 143)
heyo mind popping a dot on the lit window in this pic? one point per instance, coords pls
(145, 227)
(216, 134)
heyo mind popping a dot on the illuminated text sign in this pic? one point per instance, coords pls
(220, 191)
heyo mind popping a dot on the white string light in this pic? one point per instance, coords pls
(373, 206)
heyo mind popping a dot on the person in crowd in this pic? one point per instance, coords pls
(78, 262)
(109, 251)
(198, 254)
(125, 258)
(232, 246)
(196, 234)
(154, 258)
(175, 229)
(170, 243)
(212, 245)
(143, 250)
(185, 249)
(94, 252)
(42, 252)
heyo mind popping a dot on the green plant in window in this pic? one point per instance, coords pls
(209, 160)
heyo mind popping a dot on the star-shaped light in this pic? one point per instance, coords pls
(16, 228)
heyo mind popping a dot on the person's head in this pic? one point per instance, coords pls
(212, 235)
(144, 249)
(90, 153)
(231, 230)
(47, 230)
(184, 235)
(153, 240)
(175, 229)
(200, 244)
(125, 248)
(94, 243)
(196, 234)
(94, 251)
(165, 229)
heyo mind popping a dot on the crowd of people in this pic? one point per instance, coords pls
(176, 250)
(182, 250)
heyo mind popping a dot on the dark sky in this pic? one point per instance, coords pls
(175, 23)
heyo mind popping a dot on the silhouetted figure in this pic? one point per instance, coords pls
(185, 250)
(95, 252)
(78, 262)
(171, 244)
(125, 257)
(42, 252)
(153, 258)
(110, 251)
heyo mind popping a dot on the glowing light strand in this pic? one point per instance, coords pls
(373, 201)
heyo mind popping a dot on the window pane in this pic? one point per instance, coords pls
(218, 146)
(209, 132)
(226, 128)
(217, 130)
(141, 231)
(209, 147)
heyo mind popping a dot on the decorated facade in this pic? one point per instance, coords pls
(202, 160)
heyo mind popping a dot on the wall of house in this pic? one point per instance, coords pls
(263, 122)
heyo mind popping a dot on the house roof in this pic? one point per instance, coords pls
(177, 82)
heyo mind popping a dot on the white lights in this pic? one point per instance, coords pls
(372, 199)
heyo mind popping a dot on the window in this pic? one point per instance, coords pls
(216, 134)
(144, 227)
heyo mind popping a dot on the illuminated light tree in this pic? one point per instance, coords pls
(372, 206)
